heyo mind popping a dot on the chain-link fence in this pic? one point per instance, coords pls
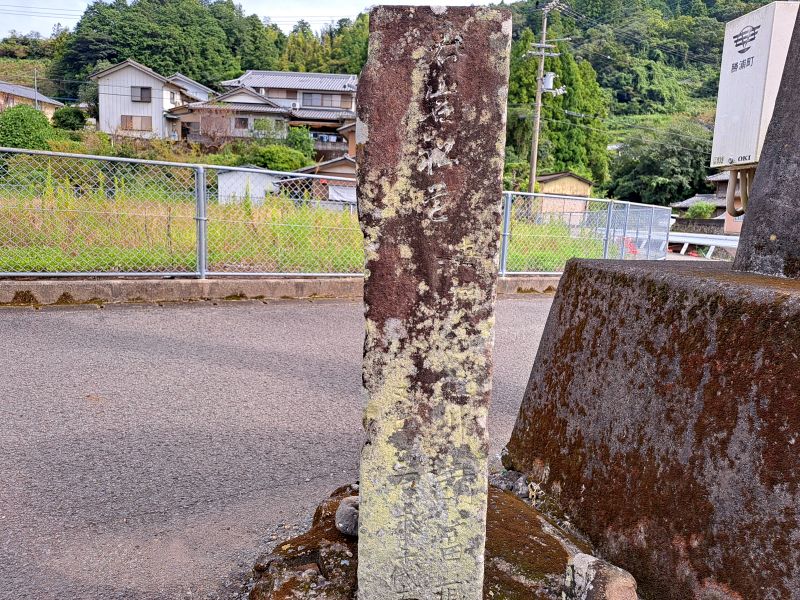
(542, 231)
(66, 214)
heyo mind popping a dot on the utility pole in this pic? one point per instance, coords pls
(36, 87)
(537, 114)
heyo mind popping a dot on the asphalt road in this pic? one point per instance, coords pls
(154, 452)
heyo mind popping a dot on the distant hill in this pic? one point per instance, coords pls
(22, 72)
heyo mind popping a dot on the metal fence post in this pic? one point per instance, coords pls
(624, 231)
(201, 220)
(650, 231)
(607, 239)
(506, 235)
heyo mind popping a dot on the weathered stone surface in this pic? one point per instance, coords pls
(664, 408)
(770, 241)
(590, 578)
(525, 557)
(430, 136)
(319, 564)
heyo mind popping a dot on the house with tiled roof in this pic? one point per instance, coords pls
(14, 95)
(238, 113)
(323, 102)
(134, 100)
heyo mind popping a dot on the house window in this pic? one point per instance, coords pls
(141, 94)
(172, 97)
(313, 99)
(345, 101)
(136, 123)
(291, 94)
(241, 123)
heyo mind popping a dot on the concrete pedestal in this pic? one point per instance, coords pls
(663, 410)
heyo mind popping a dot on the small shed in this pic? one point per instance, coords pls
(565, 183)
(235, 187)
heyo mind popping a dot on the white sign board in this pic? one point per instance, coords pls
(753, 56)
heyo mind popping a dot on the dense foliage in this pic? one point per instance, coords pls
(299, 138)
(662, 167)
(69, 117)
(276, 157)
(24, 127)
(700, 210)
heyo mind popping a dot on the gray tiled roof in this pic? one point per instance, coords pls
(251, 107)
(26, 92)
(327, 82)
(323, 115)
(184, 80)
(711, 198)
(721, 176)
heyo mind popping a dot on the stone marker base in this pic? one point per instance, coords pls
(526, 559)
(663, 412)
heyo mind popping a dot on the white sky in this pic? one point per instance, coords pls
(42, 15)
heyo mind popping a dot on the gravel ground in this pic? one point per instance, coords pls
(154, 452)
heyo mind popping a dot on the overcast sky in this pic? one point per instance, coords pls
(42, 15)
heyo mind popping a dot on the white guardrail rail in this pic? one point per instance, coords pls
(703, 239)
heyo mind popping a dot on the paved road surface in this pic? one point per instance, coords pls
(154, 452)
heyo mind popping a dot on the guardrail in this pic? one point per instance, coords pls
(82, 215)
(703, 239)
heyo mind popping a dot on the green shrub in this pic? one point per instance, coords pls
(275, 157)
(299, 138)
(69, 117)
(25, 127)
(701, 210)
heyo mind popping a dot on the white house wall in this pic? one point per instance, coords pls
(114, 94)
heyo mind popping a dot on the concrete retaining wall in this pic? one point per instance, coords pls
(42, 292)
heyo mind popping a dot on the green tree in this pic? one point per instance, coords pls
(276, 157)
(349, 45)
(304, 52)
(573, 131)
(700, 210)
(165, 35)
(663, 167)
(255, 44)
(69, 117)
(299, 138)
(24, 127)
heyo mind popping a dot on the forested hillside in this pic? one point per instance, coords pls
(640, 75)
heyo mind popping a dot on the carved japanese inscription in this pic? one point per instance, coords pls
(430, 138)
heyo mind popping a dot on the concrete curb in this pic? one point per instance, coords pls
(45, 292)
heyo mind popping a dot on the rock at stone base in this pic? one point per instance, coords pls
(347, 516)
(320, 564)
(590, 578)
(526, 556)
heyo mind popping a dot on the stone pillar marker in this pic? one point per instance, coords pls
(770, 241)
(430, 137)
